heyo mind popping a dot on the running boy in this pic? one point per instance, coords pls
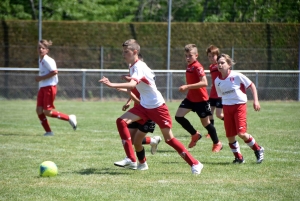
(215, 102)
(231, 86)
(152, 106)
(48, 80)
(196, 99)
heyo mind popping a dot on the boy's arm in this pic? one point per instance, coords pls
(134, 98)
(128, 85)
(202, 83)
(126, 106)
(256, 105)
(44, 77)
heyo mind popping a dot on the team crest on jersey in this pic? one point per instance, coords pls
(232, 79)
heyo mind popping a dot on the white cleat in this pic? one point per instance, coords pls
(49, 133)
(142, 166)
(126, 163)
(154, 144)
(72, 121)
(196, 169)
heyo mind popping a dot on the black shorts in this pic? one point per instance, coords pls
(201, 108)
(149, 126)
(216, 102)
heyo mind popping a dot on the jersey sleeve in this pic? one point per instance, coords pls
(51, 65)
(245, 80)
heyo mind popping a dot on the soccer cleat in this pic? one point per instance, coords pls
(126, 163)
(154, 145)
(194, 140)
(207, 135)
(217, 147)
(72, 121)
(142, 166)
(49, 133)
(196, 169)
(259, 155)
(238, 161)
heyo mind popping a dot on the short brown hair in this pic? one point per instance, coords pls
(46, 43)
(213, 50)
(132, 44)
(228, 59)
(191, 48)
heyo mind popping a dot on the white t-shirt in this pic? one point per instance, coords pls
(46, 66)
(144, 76)
(232, 89)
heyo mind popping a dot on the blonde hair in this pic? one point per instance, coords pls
(213, 50)
(46, 43)
(191, 48)
(132, 44)
(228, 59)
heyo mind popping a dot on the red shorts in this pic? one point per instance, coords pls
(235, 119)
(159, 115)
(45, 97)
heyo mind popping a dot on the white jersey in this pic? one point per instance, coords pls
(144, 76)
(232, 89)
(46, 65)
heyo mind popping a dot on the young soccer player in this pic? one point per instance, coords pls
(48, 80)
(215, 102)
(231, 86)
(196, 99)
(152, 106)
(136, 127)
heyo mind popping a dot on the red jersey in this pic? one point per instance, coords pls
(193, 74)
(214, 73)
(137, 94)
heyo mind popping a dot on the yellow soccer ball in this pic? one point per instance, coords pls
(48, 169)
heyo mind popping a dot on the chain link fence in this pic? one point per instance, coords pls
(82, 84)
(111, 58)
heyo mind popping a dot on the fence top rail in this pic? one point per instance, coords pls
(126, 70)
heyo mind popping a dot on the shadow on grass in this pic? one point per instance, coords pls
(109, 171)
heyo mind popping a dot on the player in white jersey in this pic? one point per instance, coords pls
(231, 86)
(47, 90)
(152, 106)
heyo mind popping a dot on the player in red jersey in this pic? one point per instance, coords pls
(196, 99)
(152, 106)
(231, 86)
(215, 102)
(48, 80)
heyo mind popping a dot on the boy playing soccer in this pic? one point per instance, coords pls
(152, 106)
(196, 99)
(48, 80)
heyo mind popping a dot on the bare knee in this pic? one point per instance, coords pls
(47, 112)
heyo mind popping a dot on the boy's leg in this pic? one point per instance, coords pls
(179, 117)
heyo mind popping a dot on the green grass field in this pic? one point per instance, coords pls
(85, 157)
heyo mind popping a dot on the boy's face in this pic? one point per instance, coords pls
(130, 56)
(42, 50)
(223, 66)
(191, 57)
(212, 58)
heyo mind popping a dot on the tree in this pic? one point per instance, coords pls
(155, 10)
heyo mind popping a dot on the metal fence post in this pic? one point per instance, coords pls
(83, 85)
(101, 73)
(232, 55)
(171, 86)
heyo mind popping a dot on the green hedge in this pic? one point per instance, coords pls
(22, 34)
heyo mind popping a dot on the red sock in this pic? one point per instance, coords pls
(62, 116)
(235, 148)
(182, 151)
(252, 144)
(126, 139)
(44, 122)
(147, 140)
